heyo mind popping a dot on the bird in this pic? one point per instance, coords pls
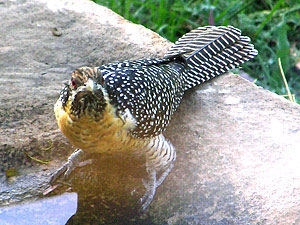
(124, 107)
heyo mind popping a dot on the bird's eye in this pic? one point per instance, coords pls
(74, 83)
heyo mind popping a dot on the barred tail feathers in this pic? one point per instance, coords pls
(211, 51)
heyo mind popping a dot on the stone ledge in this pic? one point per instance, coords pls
(238, 145)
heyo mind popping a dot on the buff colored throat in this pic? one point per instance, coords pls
(108, 135)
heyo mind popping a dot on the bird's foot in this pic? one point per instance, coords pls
(151, 184)
(73, 162)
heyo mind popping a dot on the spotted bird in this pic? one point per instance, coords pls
(125, 106)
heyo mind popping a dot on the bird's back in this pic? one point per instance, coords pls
(150, 89)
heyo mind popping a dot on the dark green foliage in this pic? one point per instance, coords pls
(273, 25)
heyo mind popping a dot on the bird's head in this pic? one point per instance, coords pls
(84, 94)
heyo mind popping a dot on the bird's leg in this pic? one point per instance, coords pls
(150, 185)
(164, 175)
(160, 155)
(74, 161)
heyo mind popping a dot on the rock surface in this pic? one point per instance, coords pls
(238, 145)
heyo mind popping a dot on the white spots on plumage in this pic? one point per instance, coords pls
(149, 89)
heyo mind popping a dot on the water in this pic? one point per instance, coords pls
(53, 210)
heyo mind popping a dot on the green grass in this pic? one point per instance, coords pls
(274, 27)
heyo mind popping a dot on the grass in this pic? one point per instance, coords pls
(273, 26)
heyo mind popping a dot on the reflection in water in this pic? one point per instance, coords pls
(96, 210)
(109, 191)
(53, 210)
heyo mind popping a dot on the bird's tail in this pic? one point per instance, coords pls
(210, 51)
